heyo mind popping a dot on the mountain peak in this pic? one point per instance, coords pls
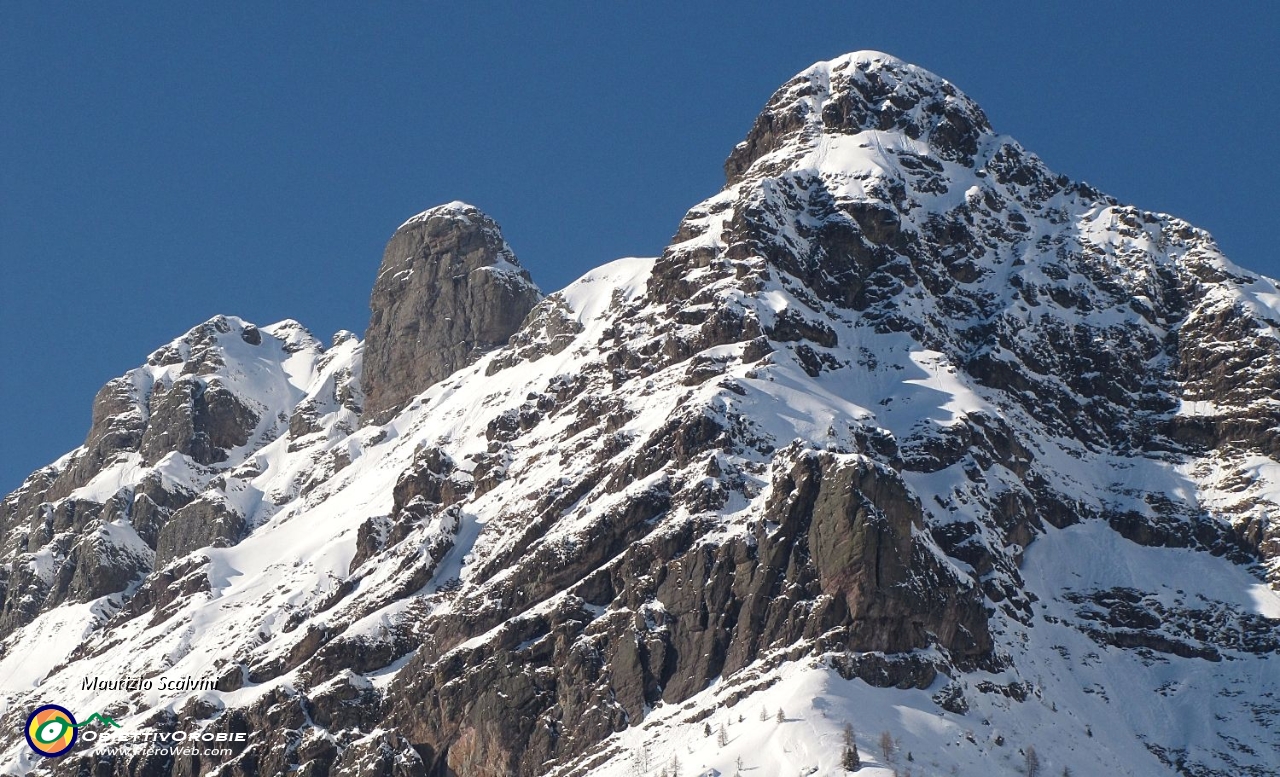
(449, 288)
(857, 92)
(457, 210)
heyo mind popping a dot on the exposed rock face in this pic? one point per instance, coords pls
(200, 419)
(207, 522)
(448, 290)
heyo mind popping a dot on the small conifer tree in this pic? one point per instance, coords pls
(849, 759)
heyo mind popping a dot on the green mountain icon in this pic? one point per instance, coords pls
(104, 719)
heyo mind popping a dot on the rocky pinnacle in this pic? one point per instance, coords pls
(448, 290)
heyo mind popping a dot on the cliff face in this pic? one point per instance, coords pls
(902, 430)
(449, 289)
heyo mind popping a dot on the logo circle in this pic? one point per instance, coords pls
(51, 730)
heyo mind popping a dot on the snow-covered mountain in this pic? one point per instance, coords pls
(903, 432)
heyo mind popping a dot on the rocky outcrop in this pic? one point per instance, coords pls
(194, 413)
(198, 418)
(118, 425)
(208, 521)
(448, 290)
(874, 92)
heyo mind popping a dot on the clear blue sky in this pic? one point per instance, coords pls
(162, 163)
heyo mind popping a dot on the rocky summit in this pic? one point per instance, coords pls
(449, 290)
(907, 451)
